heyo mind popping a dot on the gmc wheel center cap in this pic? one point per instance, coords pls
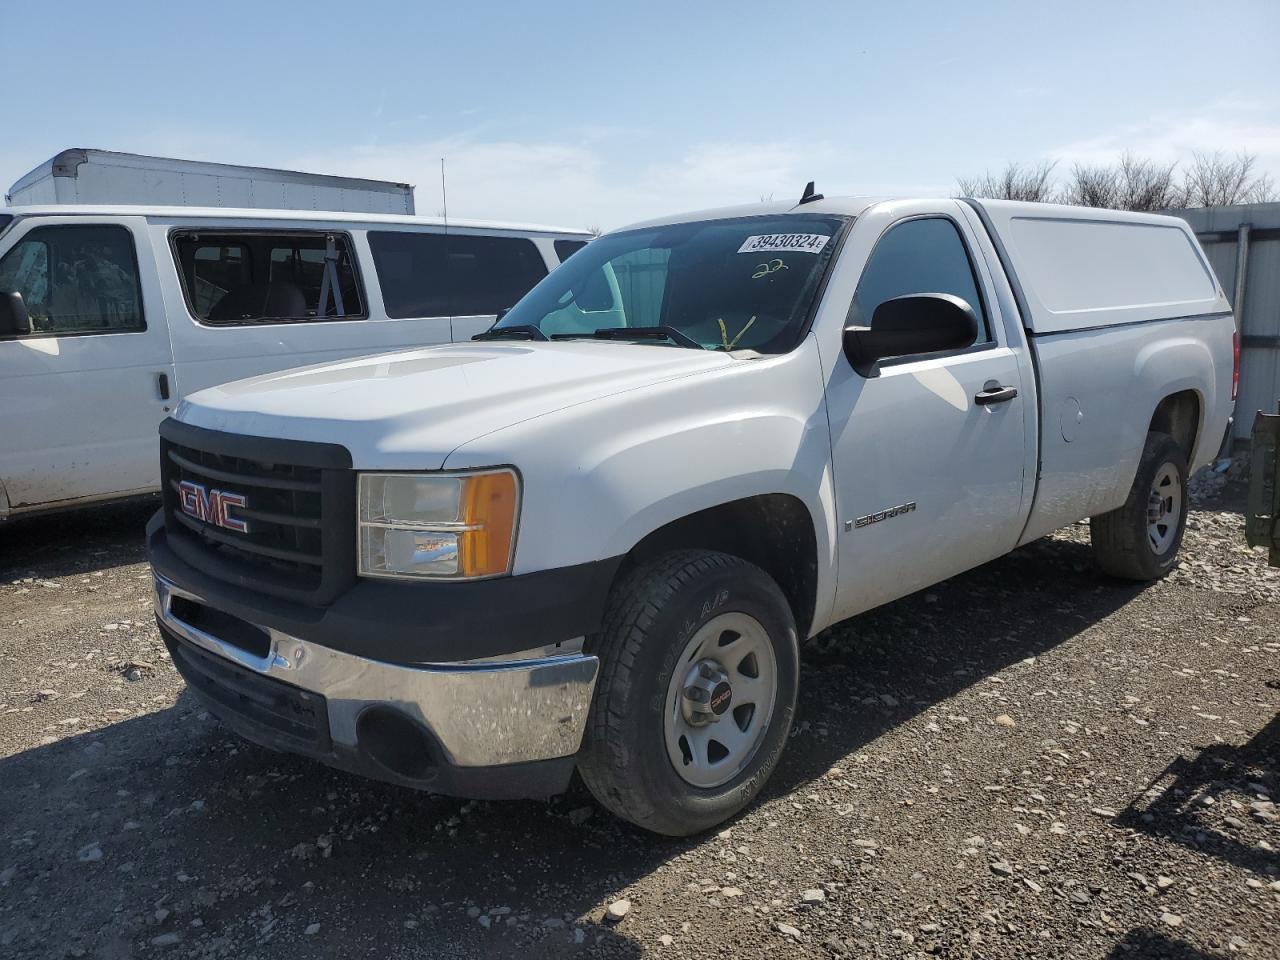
(721, 697)
(707, 693)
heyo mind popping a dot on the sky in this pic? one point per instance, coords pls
(597, 114)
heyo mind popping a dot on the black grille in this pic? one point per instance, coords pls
(299, 510)
(283, 512)
(292, 717)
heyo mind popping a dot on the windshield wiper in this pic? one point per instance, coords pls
(522, 331)
(636, 333)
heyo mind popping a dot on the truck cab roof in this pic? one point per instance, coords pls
(838, 206)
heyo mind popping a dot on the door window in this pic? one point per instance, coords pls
(926, 255)
(76, 279)
(453, 275)
(251, 278)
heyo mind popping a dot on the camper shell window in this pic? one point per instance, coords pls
(233, 278)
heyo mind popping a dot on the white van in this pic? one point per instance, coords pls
(110, 315)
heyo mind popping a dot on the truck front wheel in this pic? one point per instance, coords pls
(699, 665)
(1140, 540)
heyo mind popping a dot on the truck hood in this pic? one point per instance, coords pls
(409, 410)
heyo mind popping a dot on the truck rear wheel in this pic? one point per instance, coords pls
(1140, 540)
(699, 665)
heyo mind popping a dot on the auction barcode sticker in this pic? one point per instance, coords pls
(795, 242)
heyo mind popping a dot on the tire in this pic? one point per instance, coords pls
(1128, 542)
(656, 613)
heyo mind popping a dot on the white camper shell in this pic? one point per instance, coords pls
(86, 176)
(112, 314)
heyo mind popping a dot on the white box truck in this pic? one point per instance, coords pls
(83, 176)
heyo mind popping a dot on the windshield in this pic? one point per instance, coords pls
(744, 284)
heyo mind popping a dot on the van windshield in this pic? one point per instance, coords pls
(743, 284)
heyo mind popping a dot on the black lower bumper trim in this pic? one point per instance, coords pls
(514, 781)
(295, 718)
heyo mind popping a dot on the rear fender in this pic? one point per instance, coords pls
(1174, 365)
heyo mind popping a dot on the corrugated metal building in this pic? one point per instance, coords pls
(1243, 244)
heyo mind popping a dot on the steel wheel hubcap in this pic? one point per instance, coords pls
(720, 699)
(1164, 508)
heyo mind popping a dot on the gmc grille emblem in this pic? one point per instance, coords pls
(212, 506)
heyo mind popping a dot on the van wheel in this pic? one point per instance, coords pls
(699, 665)
(1140, 540)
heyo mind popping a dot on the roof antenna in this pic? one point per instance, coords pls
(444, 196)
(809, 196)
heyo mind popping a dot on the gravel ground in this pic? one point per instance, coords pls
(1027, 760)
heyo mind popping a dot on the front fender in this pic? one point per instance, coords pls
(599, 477)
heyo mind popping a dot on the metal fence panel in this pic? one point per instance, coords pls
(1222, 231)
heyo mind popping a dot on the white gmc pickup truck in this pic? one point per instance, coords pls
(596, 537)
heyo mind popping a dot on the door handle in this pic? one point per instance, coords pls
(162, 385)
(995, 393)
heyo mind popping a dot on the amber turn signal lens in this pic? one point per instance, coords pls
(489, 507)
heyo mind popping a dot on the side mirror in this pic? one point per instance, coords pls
(903, 326)
(14, 319)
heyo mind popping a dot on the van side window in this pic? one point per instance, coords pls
(233, 278)
(454, 275)
(567, 248)
(76, 279)
(927, 255)
(217, 268)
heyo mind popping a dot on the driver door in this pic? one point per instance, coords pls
(928, 481)
(84, 391)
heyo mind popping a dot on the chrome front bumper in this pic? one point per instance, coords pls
(481, 714)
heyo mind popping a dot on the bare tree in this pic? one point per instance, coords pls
(1217, 180)
(1131, 184)
(1092, 186)
(1016, 182)
(1263, 190)
(1145, 184)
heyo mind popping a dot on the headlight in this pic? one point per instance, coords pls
(443, 526)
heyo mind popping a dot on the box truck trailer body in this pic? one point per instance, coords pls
(82, 176)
